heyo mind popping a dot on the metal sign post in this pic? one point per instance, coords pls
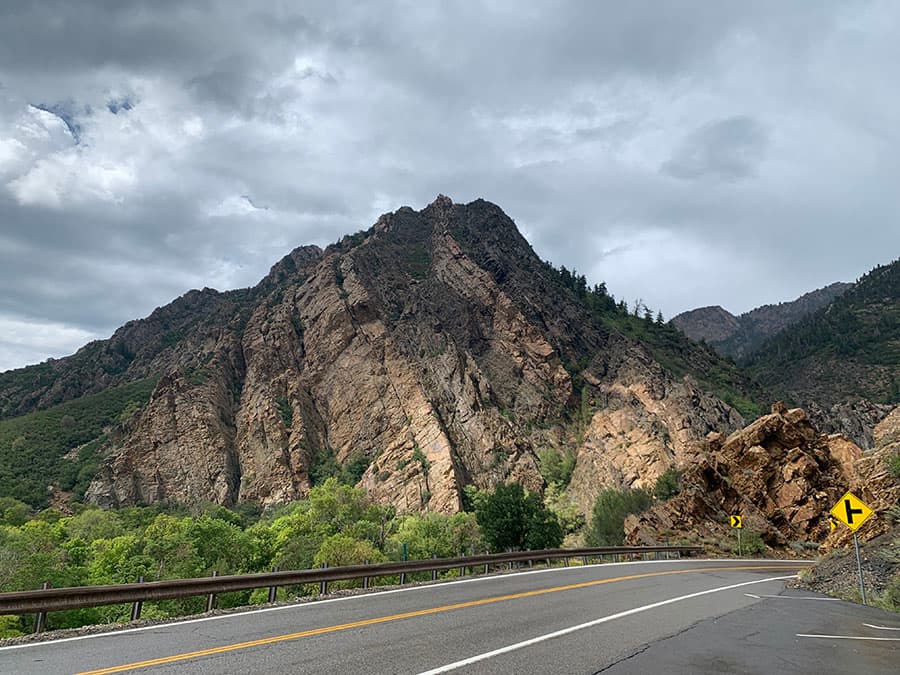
(737, 523)
(862, 587)
(853, 512)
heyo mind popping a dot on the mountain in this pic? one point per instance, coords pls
(431, 352)
(845, 352)
(739, 337)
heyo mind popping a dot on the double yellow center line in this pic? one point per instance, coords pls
(408, 615)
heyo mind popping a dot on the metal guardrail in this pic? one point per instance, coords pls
(55, 599)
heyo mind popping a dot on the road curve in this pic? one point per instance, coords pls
(569, 620)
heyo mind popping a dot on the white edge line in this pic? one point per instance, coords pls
(847, 637)
(612, 617)
(797, 597)
(880, 627)
(442, 584)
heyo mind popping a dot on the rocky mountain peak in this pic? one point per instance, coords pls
(430, 352)
(710, 324)
(740, 336)
(298, 260)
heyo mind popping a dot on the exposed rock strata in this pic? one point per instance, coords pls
(434, 350)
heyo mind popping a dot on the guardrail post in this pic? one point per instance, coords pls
(40, 619)
(584, 560)
(485, 568)
(137, 605)
(566, 560)
(323, 587)
(462, 571)
(211, 598)
(615, 557)
(366, 578)
(273, 590)
(548, 563)
(434, 571)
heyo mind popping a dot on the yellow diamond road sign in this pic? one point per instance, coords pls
(736, 522)
(851, 511)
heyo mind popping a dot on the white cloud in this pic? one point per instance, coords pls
(32, 341)
(11, 152)
(250, 131)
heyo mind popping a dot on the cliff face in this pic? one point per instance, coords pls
(648, 424)
(783, 477)
(433, 351)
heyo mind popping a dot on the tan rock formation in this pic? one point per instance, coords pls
(783, 477)
(432, 352)
(651, 424)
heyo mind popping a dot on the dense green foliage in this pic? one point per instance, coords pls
(510, 518)
(337, 524)
(849, 349)
(325, 466)
(33, 447)
(669, 346)
(608, 516)
(667, 485)
(556, 466)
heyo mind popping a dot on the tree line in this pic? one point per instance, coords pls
(336, 524)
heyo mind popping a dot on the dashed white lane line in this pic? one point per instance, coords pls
(848, 637)
(881, 627)
(596, 622)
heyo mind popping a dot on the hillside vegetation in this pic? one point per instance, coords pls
(337, 524)
(34, 447)
(739, 337)
(850, 349)
(681, 356)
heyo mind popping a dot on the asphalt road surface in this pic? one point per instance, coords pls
(688, 616)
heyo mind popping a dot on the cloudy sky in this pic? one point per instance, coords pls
(687, 153)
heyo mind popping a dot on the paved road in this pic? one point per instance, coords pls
(696, 616)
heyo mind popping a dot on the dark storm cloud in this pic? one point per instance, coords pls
(687, 153)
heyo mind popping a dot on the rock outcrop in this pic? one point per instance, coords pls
(782, 476)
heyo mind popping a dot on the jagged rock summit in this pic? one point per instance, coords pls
(432, 351)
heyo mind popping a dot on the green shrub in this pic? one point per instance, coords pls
(751, 543)
(667, 485)
(285, 411)
(510, 518)
(609, 513)
(556, 466)
(893, 463)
